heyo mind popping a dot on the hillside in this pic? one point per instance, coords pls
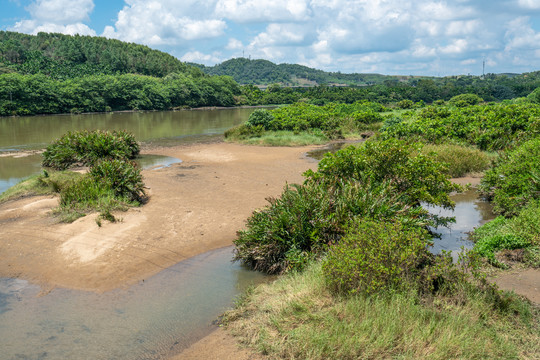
(264, 72)
(63, 56)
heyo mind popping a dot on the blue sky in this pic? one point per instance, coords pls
(421, 37)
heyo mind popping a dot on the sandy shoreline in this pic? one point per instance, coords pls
(195, 206)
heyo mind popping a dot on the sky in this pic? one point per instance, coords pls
(391, 37)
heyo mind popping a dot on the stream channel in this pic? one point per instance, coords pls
(166, 313)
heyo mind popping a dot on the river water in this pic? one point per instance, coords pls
(167, 312)
(19, 136)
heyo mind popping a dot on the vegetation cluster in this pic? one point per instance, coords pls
(113, 181)
(353, 238)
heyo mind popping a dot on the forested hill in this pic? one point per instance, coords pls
(64, 56)
(264, 72)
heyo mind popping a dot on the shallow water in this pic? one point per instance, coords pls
(161, 128)
(470, 212)
(151, 320)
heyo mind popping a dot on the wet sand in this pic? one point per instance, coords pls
(194, 206)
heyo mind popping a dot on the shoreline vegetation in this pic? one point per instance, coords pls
(347, 248)
(350, 239)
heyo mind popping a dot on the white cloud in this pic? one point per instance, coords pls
(33, 27)
(62, 16)
(165, 22)
(245, 11)
(61, 11)
(521, 36)
(529, 4)
(234, 44)
(199, 57)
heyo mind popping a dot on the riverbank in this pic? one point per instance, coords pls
(195, 206)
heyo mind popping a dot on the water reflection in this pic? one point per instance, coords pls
(151, 320)
(470, 212)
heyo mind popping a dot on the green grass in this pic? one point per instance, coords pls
(461, 160)
(296, 317)
(284, 138)
(46, 183)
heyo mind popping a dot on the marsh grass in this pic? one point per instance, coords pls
(460, 160)
(296, 317)
(46, 183)
(285, 138)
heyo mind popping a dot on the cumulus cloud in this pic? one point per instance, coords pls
(63, 16)
(199, 57)
(165, 22)
(245, 11)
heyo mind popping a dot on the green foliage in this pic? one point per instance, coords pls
(488, 127)
(460, 160)
(405, 104)
(123, 177)
(110, 185)
(395, 162)
(373, 256)
(515, 178)
(297, 317)
(87, 147)
(260, 117)
(463, 100)
(386, 180)
(518, 232)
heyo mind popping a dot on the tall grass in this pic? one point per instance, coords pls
(460, 160)
(296, 317)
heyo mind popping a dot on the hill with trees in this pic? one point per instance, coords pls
(55, 73)
(264, 72)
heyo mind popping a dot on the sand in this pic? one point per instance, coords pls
(194, 206)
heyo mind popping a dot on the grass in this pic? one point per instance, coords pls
(46, 183)
(284, 138)
(296, 317)
(461, 160)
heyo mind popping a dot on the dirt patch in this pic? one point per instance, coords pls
(195, 206)
(219, 345)
(524, 282)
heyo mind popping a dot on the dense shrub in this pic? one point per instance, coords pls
(123, 177)
(374, 255)
(488, 127)
(518, 232)
(386, 180)
(260, 117)
(463, 100)
(515, 179)
(87, 147)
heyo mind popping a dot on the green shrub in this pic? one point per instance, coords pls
(87, 147)
(260, 117)
(519, 232)
(405, 104)
(373, 256)
(460, 160)
(488, 127)
(379, 180)
(515, 179)
(123, 177)
(243, 132)
(463, 100)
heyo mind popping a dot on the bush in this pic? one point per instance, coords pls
(260, 117)
(405, 104)
(463, 100)
(519, 232)
(487, 127)
(123, 177)
(374, 255)
(87, 147)
(515, 179)
(379, 180)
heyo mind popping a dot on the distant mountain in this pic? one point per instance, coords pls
(264, 72)
(64, 56)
